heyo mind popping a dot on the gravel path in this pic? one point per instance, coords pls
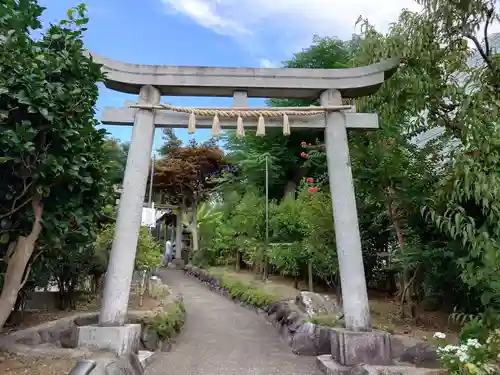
(222, 338)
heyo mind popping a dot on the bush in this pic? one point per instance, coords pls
(168, 322)
(244, 292)
(326, 321)
(472, 356)
(148, 254)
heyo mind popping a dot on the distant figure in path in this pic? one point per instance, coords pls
(168, 252)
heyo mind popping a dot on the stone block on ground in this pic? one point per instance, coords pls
(353, 348)
(69, 337)
(110, 364)
(399, 344)
(329, 366)
(310, 339)
(120, 340)
(145, 357)
(421, 355)
(150, 339)
(318, 304)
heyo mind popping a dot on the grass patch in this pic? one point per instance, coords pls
(245, 291)
(167, 322)
(326, 321)
(275, 285)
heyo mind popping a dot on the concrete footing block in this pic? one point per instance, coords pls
(329, 366)
(119, 340)
(354, 348)
(145, 358)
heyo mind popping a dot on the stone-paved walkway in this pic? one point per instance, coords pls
(222, 338)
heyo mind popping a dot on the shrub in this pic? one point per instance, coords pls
(471, 356)
(326, 320)
(167, 322)
(148, 254)
(245, 292)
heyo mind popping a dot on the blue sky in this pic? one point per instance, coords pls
(244, 33)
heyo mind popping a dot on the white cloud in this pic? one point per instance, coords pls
(207, 14)
(265, 63)
(291, 18)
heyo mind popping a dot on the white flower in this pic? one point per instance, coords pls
(473, 343)
(462, 353)
(439, 335)
(448, 349)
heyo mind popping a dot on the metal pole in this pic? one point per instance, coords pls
(83, 367)
(267, 202)
(267, 219)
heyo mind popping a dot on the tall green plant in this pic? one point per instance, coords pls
(53, 177)
(148, 254)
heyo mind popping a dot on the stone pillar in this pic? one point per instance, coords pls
(240, 99)
(178, 233)
(352, 273)
(122, 257)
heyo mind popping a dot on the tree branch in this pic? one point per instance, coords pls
(489, 16)
(36, 229)
(480, 49)
(14, 210)
(25, 190)
(28, 269)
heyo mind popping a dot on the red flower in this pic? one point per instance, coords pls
(303, 143)
(309, 180)
(303, 155)
(312, 189)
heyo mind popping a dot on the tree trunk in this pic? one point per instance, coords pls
(18, 257)
(310, 276)
(291, 185)
(290, 188)
(406, 277)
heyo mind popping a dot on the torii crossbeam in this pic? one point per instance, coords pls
(330, 85)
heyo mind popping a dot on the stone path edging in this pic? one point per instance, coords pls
(304, 338)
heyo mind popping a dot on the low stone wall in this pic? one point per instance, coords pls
(59, 338)
(308, 339)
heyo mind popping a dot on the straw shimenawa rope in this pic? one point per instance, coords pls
(241, 113)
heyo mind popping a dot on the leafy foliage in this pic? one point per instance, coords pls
(54, 169)
(148, 253)
(428, 209)
(183, 176)
(167, 322)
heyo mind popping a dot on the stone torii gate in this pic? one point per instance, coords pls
(150, 82)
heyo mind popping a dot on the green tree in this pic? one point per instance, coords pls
(437, 78)
(53, 183)
(171, 142)
(286, 167)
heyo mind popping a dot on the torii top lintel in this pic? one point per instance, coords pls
(258, 83)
